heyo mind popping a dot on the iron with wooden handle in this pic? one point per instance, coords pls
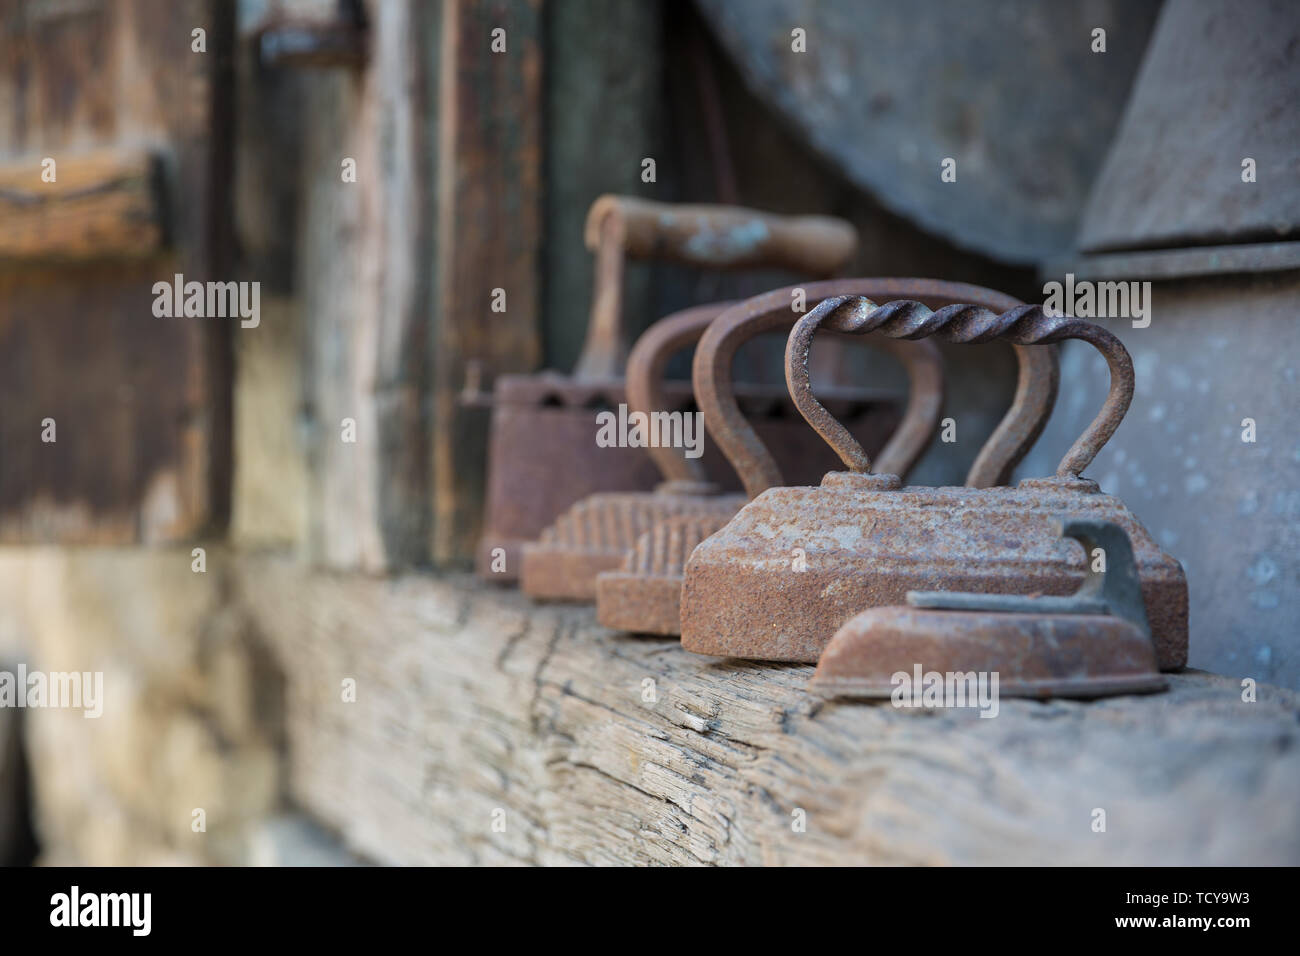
(708, 236)
(542, 457)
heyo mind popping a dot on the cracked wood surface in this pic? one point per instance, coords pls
(471, 700)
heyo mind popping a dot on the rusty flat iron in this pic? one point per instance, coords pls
(1093, 643)
(593, 535)
(642, 592)
(597, 533)
(542, 456)
(865, 541)
(644, 596)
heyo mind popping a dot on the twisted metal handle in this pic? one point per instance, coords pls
(961, 323)
(1005, 448)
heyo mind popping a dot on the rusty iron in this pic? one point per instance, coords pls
(597, 533)
(1093, 643)
(593, 535)
(864, 541)
(642, 592)
(645, 594)
(542, 456)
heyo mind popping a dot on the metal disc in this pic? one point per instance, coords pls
(1010, 89)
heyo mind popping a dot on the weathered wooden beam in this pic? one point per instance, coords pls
(489, 237)
(484, 729)
(363, 263)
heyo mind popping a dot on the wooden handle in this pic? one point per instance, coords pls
(724, 237)
(713, 237)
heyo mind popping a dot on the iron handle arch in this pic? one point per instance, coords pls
(958, 322)
(1009, 443)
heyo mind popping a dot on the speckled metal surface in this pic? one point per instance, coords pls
(1218, 352)
(862, 541)
(1093, 643)
(1091, 655)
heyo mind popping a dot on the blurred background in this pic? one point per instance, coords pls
(379, 169)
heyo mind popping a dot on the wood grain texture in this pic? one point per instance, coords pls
(362, 274)
(141, 403)
(471, 700)
(490, 115)
(105, 205)
(605, 111)
(125, 392)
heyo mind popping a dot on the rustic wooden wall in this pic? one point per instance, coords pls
(396, 271)
(362, 248)
(107, 89)
(475, 172)
(490, 123)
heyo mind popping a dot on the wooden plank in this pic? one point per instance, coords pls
(118, 389)
(474, 706)
(140, 403)
(490, 114)
(364, 244)
(102, 205)
(605, 113)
